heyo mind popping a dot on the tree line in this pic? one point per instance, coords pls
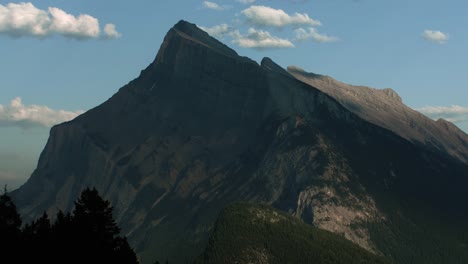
(88, 234)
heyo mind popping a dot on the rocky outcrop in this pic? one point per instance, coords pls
(202, 127)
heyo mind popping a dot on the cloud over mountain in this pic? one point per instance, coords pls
(218, 31)
(260, 20)
(28, 116)
(259, 39)
(24, 19)
(267, 16)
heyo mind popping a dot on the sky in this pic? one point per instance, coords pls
(61, 58)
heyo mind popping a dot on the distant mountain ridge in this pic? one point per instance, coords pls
(202, 127)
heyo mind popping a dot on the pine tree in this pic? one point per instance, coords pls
(62, 223)
(123, 253)
(89, 235)
(95, 214)
(63, 237)
(10, 220)
(97, 231)
(10, 223)
(37, 240)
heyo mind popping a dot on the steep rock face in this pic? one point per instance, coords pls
(202, 127)
(385, 108)
(177, 96)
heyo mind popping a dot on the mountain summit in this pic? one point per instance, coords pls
(202, 127)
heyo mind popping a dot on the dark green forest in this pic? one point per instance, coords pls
(88, 234)
(250, 233)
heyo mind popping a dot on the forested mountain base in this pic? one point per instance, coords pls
(249, 233)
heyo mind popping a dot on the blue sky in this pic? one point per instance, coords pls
(60, 58)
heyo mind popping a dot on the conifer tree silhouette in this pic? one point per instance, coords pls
(88, 235)
(10, 220)
(37, 239)
(10, 223)
(97, 232)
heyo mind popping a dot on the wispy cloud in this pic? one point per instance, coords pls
(259, 39)
(24, 19)
(218, 31)
(435, 36)
(267, 16)
(454, 113)
(245, 2)
(263, 16)
(111, 32)
(214, 6)
(312, 33)
(28, 116)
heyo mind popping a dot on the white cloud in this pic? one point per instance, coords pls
(111, 32)
(27, 116)
(83, 26)
(435, 36)
(214, 6)
(218, 30)
(24, 19)
(454, 113)
(245, 2)
(259, 39)
(302, 34)
(267, 16)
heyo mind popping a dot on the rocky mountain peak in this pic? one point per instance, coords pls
(392, 94)
(193, 33)
(450, 127)
(269, 64)
(185, 27)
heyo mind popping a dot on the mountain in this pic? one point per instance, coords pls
(202, 127)
(253, 233)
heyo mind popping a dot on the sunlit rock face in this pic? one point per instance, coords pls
(385, 108)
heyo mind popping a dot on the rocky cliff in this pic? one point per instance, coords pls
(202, 127)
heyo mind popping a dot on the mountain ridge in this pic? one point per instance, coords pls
(386, 109)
